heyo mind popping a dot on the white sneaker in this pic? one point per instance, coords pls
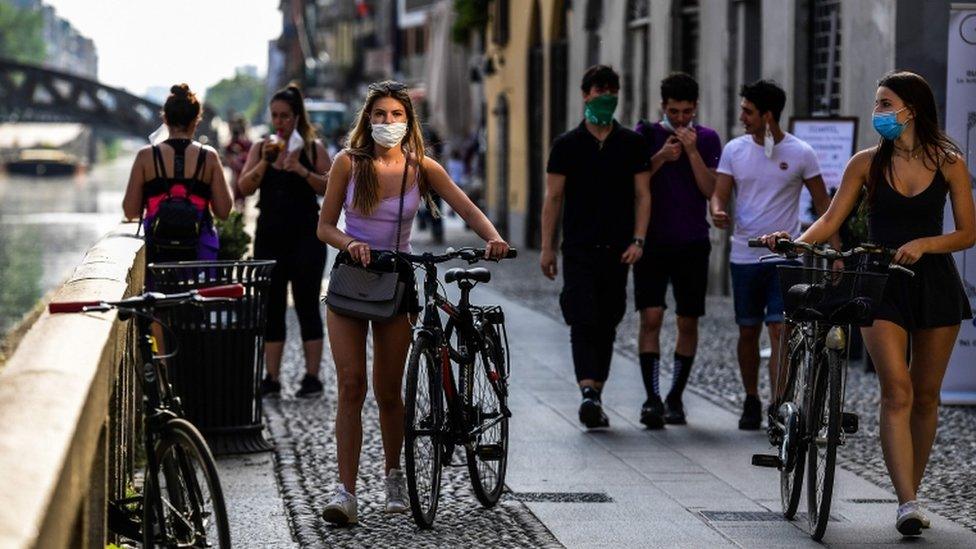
(341, 509)
(396, 492)
(909, 521)
(926, 523)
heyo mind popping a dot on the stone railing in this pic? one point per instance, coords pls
(68, 409)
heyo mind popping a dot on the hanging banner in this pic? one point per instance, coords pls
(959, 386)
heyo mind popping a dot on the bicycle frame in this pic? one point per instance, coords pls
(460, 318)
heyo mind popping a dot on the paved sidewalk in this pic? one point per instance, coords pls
(674, 488)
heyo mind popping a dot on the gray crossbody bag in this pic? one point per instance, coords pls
(368, 293)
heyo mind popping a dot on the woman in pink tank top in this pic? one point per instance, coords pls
(365, 181)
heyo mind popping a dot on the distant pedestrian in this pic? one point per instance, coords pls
(236, 155)
(599, 178)
(177, 177)
(290, 168)
(908, 176)
(683, 162)
(385, 150)
(768, 168)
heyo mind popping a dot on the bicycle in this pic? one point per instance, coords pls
(182, 503)
(444, 410)
(807, 421)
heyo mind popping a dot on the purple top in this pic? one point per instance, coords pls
(678, 208)
(379, 228)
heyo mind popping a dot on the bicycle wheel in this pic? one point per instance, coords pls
(184, 504)
(824, 428)
(422, 433)
(488, 455)
(794, 448)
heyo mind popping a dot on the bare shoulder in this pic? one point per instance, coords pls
(861, 160)
(429, 164)
(954, 166)
(342, 161)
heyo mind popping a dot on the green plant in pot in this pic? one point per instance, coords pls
(233, 239)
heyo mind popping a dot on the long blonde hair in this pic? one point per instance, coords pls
(360, 145)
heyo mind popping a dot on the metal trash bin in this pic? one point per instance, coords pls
(220, 361)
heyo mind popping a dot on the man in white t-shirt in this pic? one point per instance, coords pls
(768, 168)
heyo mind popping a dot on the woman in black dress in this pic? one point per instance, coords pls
(908, 176)
(290, 181)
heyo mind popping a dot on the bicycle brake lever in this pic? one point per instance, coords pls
(897, 267)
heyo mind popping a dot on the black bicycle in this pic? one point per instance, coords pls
(807, 421)
(464, 407)
(181, 504)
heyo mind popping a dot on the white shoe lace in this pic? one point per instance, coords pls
(395, 488)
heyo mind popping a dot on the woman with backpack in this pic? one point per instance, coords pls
(290, 167)
(177, 186)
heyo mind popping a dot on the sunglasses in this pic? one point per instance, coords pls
(387, 87)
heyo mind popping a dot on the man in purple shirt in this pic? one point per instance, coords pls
(683, 162)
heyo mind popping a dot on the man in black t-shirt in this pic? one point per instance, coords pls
(599, 176)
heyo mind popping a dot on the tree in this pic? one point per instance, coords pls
(242, 94)
(21, 34)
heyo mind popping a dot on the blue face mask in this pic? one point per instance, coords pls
(887, 124)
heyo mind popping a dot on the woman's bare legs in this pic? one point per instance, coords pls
(347, 337)
(931, 349)
(391, 341)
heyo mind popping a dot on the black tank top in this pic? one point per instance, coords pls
(896, 219)
(287, 201)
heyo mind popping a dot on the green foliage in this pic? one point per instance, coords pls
(857, 222)
(469, 16)
(20, 275)
(233, 239)
(242, 94)
(21, 34)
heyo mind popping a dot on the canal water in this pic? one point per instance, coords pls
(46, 226)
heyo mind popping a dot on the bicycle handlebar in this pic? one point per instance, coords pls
(151, 300)
(471, 255)
(785, 246)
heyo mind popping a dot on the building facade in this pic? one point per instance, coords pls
(65, 48)
(827, 55)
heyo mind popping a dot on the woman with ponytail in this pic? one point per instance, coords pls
(290, 167)
(384, 155)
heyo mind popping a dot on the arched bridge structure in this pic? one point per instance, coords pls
(29, 93)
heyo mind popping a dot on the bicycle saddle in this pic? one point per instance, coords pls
(478, 274)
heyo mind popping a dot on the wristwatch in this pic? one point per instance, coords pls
(639, 242)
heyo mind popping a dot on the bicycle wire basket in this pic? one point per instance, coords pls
(494, 315)
(838, 297)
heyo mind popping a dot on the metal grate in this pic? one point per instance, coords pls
(563, 497)
(825, 39)
(753, 516)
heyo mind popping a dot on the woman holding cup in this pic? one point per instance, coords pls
(290, 168)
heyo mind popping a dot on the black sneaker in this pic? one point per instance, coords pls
(270, 387)
(652, 413)
(591, 410)
(311, 386)
(751, 419)
(674, 413)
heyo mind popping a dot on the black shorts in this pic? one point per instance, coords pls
(410, 303)
(685, 267)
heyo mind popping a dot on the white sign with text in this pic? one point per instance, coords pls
(833, 139)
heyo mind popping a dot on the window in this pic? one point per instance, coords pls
(499, 23)
(685, 32)
(825, 56)
(636, 61)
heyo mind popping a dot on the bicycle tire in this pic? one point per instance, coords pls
(822, 452)
(193, 512)
(423, 420)
(487, 472)
(791, 475)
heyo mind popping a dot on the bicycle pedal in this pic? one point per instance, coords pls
(849, 423)
(766, 460)
(489, 452)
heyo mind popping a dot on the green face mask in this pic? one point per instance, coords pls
(599, 110)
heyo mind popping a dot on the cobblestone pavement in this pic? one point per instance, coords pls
(303, 433)
(948, 484)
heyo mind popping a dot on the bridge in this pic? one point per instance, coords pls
(30, 93)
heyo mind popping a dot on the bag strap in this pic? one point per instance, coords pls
(158, 165)
(403, 189)
(201, 162)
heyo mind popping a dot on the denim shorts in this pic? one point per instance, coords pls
(756, 292)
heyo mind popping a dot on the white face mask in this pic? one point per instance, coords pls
(389, 135)
(768, 142)
(159, 135)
